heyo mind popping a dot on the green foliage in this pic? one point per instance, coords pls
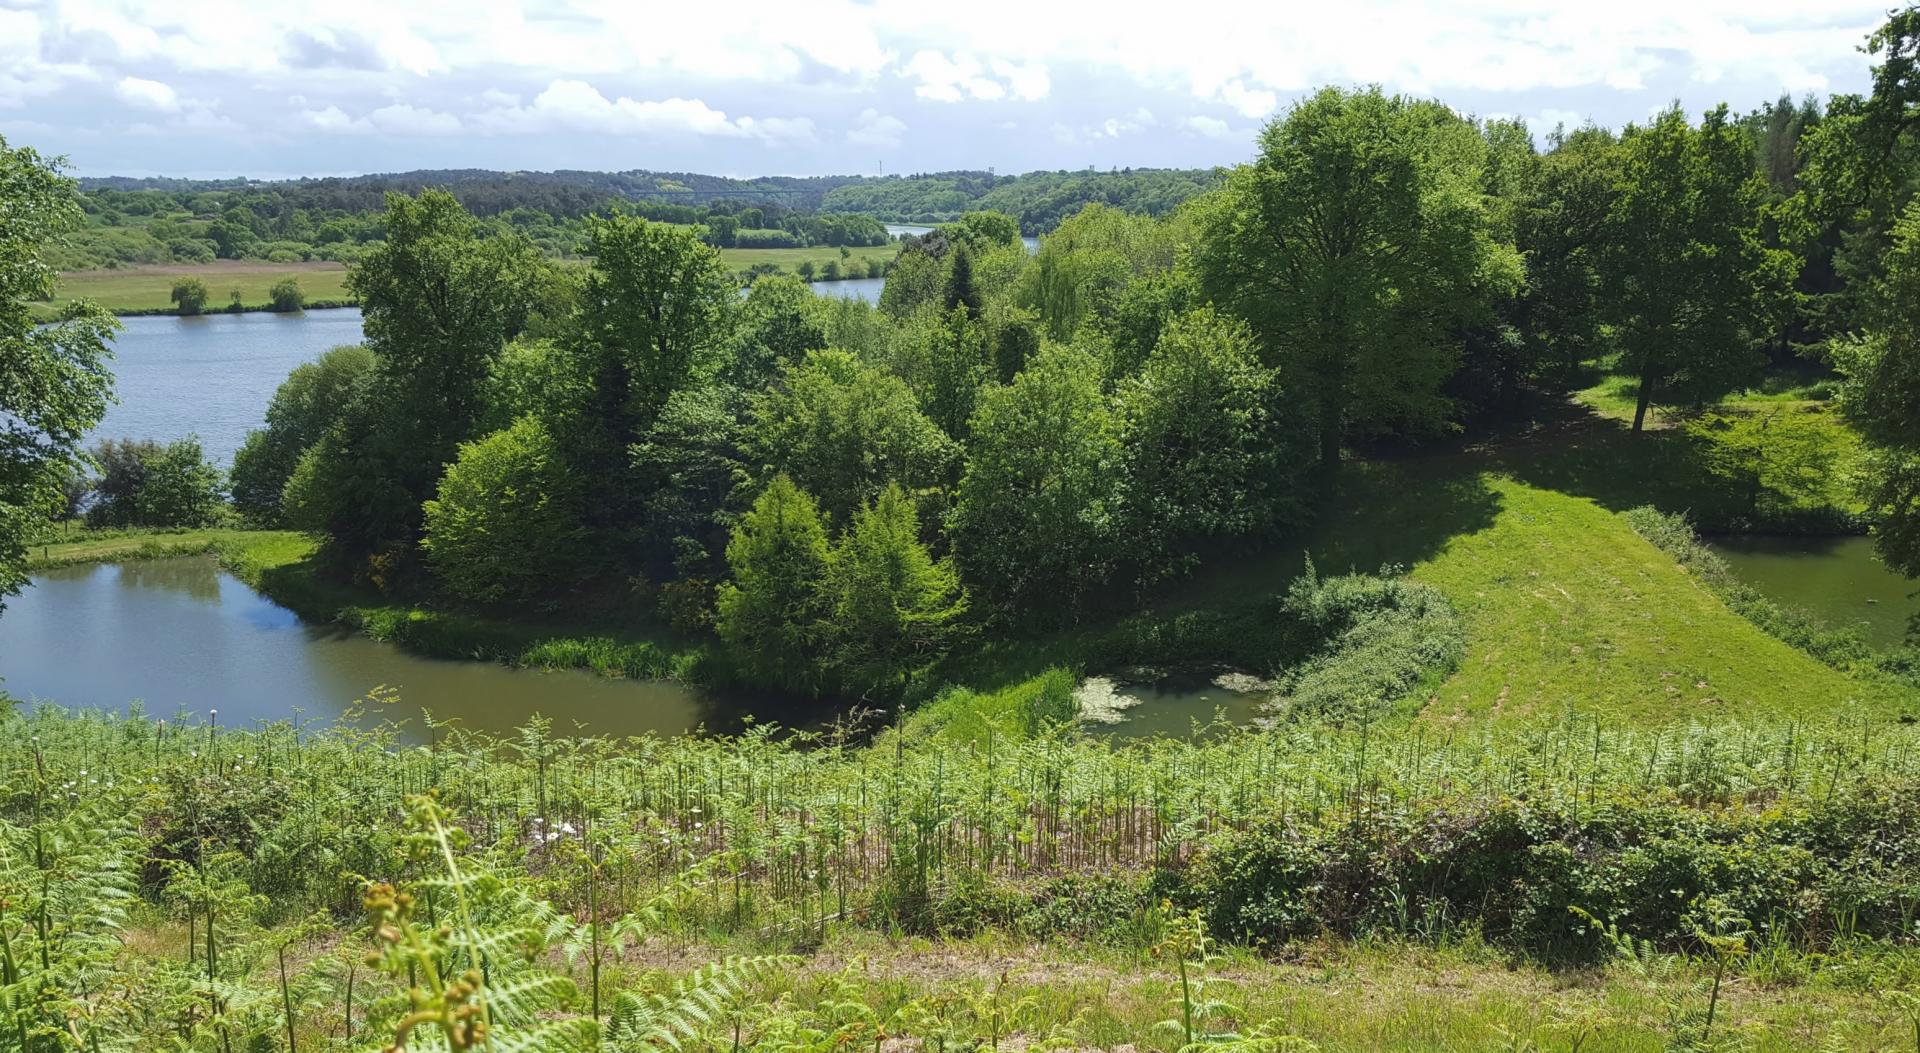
(505, 525)
(305, 405)
(778, 325)
(54, 379)
(1355, 248)
(1881, 398)
(148, 484)
(1084, 268)
(286, 295)
(1034, 514)
(1784, 455)
(844, 430)
(773, 608)
(1691, 288)
(894, 606)
(1370, 643)
(190, 296)
(439, 303)
(1212, 449)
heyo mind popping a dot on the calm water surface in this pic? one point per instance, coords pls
(180, 634)
(214, 374)
(1837, 579)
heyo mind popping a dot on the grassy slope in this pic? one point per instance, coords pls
(1567, 608)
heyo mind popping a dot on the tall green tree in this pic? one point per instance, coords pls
(1691, 287)
(845, 430)
(1881, 397)
(55, 380)
(894, 606)
(439, 302)
(773, 608)
(1212, 451)
(1357, 247)
(653, 319)
(1034, 514)
(304, 406)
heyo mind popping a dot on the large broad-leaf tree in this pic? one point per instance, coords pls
(1691, 287)
(440, 301)
(1357, 248)
(1882, 398)
(55, 381)
(654, 319)
(1035, 513)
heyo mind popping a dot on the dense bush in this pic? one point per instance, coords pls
(150, 485)
(1516, 869)
(304, 406)
(1368, 642)
(505, 525)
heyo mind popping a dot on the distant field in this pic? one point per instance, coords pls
(147, 288)
(128, 290)
(788, 259)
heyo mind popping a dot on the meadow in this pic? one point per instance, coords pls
(147, 288)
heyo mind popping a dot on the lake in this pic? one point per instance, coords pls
(1837, 579)
(184, 635)
(212, 375)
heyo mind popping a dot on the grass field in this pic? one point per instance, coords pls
(67, 548)
(146, 289)
(820, 255)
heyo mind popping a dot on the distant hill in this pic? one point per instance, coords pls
(1039, 200)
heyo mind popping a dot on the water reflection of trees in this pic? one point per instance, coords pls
(197, 578)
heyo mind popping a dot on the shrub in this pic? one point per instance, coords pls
(190, 296)
(286, 295)
(147, 484)
(1371, 640)
(505, 525)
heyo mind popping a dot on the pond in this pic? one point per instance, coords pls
(1172, 705)
(212, 375)
(1837, 579)
(183, 635)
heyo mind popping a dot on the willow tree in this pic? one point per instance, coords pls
(1691, 287)
(54, 379)
(1357, 248)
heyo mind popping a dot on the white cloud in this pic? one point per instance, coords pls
(401, 119)
(575, 105)
(1250, 102)
(1027, 82)
(332, 119)
(147, 94)
(964, 75)
(877, 130)
(1210, 127)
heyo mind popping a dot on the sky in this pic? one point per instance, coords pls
(267, 89)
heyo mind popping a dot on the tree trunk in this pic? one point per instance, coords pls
(1646, 398)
